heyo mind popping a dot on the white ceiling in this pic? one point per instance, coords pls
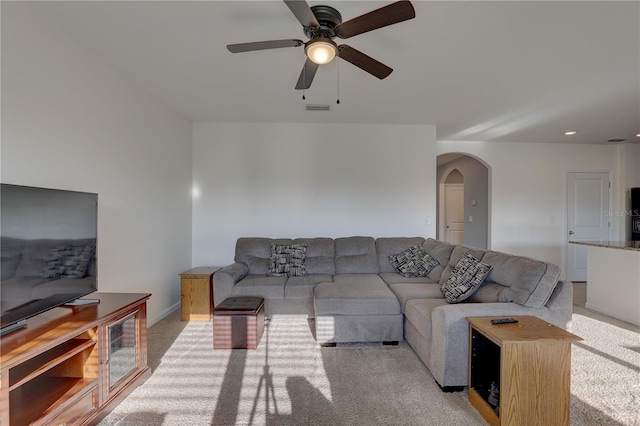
(480, 71)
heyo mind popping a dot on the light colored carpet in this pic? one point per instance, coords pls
(290, 380)
(605, 371)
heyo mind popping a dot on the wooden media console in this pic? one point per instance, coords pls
(73, 364)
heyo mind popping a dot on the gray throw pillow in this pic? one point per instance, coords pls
(413, 262)
(466, 277)
(287, 260)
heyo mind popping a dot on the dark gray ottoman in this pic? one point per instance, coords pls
(238, 323)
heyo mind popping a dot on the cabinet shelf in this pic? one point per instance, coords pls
(42, 363)
(44, 395)
(481, 404)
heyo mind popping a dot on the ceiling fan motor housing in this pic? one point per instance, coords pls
(328, 18)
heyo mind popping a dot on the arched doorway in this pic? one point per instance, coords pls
(452, 205)
(463, 180)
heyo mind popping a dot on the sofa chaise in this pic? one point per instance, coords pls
(356, 293)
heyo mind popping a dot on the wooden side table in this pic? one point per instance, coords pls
(196, 292)
(520, 373)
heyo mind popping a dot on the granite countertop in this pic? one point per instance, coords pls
(622, 245)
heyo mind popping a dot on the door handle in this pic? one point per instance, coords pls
(570, 232)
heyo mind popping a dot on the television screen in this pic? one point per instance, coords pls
(48, 247)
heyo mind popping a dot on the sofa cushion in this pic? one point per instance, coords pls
(320, 256)
(255, 253)
(468, 274)
(408, 291)
(456, 254)
(260, 285)
(441, 252)
(418, 313)
(395, 278)
(388, 246)
(287, 259)
(492, 293)
(303, 286)
(413, 262)
(356, 255)
(530, 282)
(355, 294)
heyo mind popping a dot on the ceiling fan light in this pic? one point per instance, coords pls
(321, 51)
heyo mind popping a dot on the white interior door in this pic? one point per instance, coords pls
(588, 201)
(454, 213)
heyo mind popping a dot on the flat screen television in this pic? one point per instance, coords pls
(48, 248)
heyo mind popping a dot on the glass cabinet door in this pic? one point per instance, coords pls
(123, 353)
(123, 350)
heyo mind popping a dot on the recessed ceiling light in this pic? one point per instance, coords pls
(570, 133)
(638, 135)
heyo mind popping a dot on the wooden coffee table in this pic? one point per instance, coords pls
(520, 373)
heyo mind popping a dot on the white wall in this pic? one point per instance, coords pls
(528, 193)
(71, 121)
(309, 180)
(301, 180)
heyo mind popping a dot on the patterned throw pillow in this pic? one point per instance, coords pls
(468, 274)
(413, 262)
(68, 262)
(287, 260)
(278, 260)
(297, 259)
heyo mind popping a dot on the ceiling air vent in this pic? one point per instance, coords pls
(316, 107)
(616, 140)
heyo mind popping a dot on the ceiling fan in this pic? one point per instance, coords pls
(321, 24)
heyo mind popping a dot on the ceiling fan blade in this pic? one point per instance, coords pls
(364, 62)
(387, 15)
(303, 12)
(262, 45)
(307, 74)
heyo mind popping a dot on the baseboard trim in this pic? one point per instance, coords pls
(152, 320)
(615, 315)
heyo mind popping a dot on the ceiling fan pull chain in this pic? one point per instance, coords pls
(304, 81)
(338, 101)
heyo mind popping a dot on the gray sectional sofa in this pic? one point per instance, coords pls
(354, 292)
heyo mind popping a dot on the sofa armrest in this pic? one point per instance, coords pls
(560, 305)
(449, 360)
(224, 279)
(562, 296)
